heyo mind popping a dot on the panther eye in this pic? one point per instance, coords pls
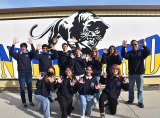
(97, 31)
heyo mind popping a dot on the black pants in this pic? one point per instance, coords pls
(112, 103)
(65, 106)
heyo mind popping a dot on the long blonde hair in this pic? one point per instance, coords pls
(116, 66)
(97, 56)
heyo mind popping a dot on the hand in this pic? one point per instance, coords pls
(53, 47)
(116, 53)
(104, 74)
(105, 51)
(72, 83)
(39, 77)
(30, 40)
(81, 81)
(98, 86)
(83, 56)
(143, 42)
(124, 43)
(72, 56)
(15, 41)
(126, 81)
(59, 80)
(39, 46)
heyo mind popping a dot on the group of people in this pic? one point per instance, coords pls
(80, 76)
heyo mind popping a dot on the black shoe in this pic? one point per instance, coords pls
(141, 105)
(129, 102)
(50, 99)
(24, 104)
(72, 108)
(31, 103)
(102, 115)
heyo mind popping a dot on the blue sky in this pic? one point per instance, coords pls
(43, 3)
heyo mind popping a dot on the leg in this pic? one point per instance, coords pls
(89, 104)
(113, 106)
(69, 106)
(98, 92)
(29, 85)
(21, 78)
(102, 99)
(131, 87)
(83, 105)
(139, 82)
(63, 106)
(45, 105)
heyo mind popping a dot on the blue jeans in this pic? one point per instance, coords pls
(139, 82)
(97, 95)
(45, 104)
(25, 77)
(86, 102)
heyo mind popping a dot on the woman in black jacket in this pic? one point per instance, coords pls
(44, 86)
(66, 88)
(111, 57)
(111, 92)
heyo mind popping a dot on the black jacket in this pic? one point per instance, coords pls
(136, 59)
(44, 88)
(45, 60)
(78, 65)
(110, 59)
(23, 59)
(65, 89)
(114, 85)
(97, 66)
(88, 88)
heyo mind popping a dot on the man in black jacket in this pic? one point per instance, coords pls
(24, 59)
(136, 59)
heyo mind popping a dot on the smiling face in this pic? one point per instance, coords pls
(68, 72)
(89, 71)
(134, 45)
(23, 49)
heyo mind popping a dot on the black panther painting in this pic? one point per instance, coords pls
(82, 29)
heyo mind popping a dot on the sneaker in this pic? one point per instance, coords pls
(141, 105)
(102, 115)
(31, 103)
(24, 104)
(129, 102)
(82, 117)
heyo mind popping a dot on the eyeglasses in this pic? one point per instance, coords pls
(134, 44)
(44, 48)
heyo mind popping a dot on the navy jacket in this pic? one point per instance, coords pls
(114, 85)
(65, 89)
(45, 60)
(136, 59)
(110, 59)
(88, 88)
(44, 88)
(23, 59)
(63, 59)
(97, 66)
(78, 65)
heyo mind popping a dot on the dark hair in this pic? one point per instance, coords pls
(90, 67)
(44, 45)
(23, 45)
(53, 69)
(133, 41)
(64, 44)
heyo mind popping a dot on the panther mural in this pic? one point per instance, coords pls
(82, 29)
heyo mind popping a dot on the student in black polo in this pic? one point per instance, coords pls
(45, 58)
(63, 58)
(24, 59)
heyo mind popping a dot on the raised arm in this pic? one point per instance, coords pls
(11, 50)
(123, 51)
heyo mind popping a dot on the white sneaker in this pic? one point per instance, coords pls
(82, 117)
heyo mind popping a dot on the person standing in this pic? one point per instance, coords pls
(111, 57)
(136, 68)
(87, 87)
(95, 61)
(24, 59)
(66, 88)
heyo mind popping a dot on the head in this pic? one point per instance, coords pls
(115, 70)
(45, 48)
(23, 47)
(112, 49)
(64, 46)
(134, 45)
(77, 51)
(51, 71)
(94, 52)
(69, 71)
(89, 70)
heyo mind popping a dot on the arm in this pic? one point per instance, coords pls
(118, 59)
(12, 53)
(125, 84)
(145, 52)
(104, 58)
(54, 54)
(124, 53)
